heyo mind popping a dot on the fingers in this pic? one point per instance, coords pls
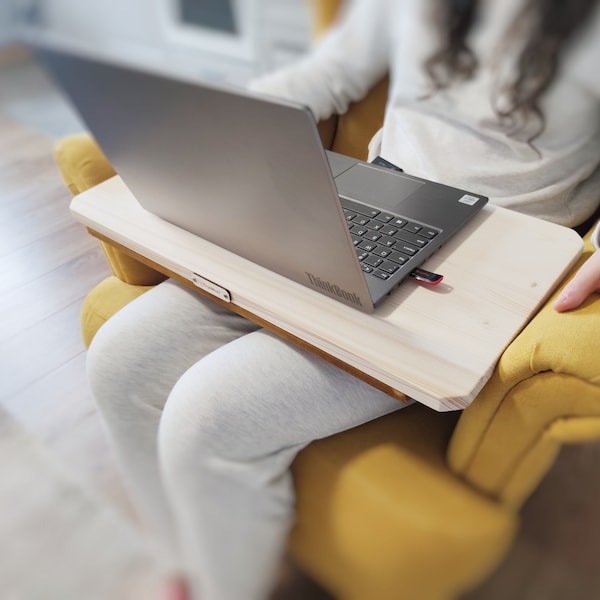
(585, 282)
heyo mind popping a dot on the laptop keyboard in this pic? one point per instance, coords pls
(384, 242)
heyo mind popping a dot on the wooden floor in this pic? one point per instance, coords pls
(47, 265)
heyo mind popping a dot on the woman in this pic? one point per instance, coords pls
(205, 410)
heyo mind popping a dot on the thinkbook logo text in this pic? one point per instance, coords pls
(332, 288)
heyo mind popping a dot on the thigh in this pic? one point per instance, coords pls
(259, 394)
(144, 348)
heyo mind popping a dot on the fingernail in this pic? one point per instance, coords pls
(562, 298)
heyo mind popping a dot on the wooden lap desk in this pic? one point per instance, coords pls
(437, 345)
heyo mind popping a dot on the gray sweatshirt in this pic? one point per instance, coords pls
(455, 135)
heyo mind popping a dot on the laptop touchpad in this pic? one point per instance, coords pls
(375, 186)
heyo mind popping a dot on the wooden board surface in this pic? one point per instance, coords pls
(436, 345)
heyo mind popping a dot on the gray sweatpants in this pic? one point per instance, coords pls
(206, 412)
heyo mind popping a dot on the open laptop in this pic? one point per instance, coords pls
(249, 173)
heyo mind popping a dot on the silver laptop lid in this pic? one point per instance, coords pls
(247, 175)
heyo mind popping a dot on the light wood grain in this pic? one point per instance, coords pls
(28, 304)
(48, 263)
(456, 331)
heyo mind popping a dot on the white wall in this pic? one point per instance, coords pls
(135, 29)
(133, 20)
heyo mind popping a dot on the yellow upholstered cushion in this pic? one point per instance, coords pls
(82, 164)
(381, 515)
(129, 269)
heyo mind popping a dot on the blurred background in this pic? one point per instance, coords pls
(230, 39)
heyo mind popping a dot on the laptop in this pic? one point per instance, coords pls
(249, 173)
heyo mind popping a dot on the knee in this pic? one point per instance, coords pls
(213, 414)
(209, 436)
(198, 417)
(231, 410)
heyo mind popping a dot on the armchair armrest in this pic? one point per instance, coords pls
(545, 391)
(83, 165)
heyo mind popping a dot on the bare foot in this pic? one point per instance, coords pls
(153, 585)
(176, 589)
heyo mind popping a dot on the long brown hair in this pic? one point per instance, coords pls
(553, 22)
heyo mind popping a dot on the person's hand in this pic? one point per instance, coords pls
(585, 283)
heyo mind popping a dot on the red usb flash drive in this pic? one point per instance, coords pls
(426, 277)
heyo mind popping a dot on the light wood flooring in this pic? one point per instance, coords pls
(47, 265)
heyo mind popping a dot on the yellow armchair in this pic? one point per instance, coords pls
(418, 504)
